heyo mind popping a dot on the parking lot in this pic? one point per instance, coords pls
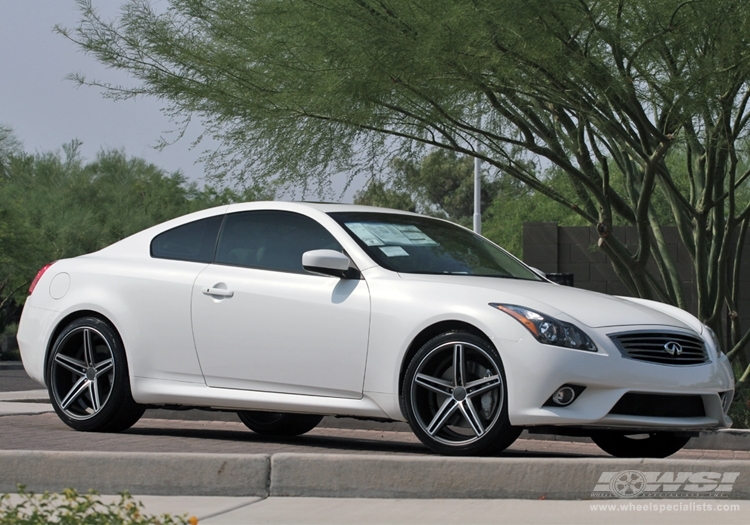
(222, 433)
(173, 459)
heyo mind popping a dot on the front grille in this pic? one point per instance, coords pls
(655, 346)
(659, 405)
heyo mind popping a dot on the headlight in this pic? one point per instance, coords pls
(714, 339)
(548, 330)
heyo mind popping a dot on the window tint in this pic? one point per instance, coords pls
(271, 240)
(194, 241)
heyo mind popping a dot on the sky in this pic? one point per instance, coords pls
(45, 110)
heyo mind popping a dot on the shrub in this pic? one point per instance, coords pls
(72, 508)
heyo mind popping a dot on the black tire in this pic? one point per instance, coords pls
(87, 378)
(458, 410)
(276, 424)
(651, 445)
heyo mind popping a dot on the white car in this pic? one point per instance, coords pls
(285, 312)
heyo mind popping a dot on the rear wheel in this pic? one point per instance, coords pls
(455, 396)
(649, 445)
(277, 424)
(87, 376)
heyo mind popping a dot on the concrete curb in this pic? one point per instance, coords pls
(723, 439)
(332, 475)
(11, 365)
(139, 473)
(355, 476)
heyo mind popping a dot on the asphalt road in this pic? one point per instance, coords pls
(16, 380)
(217, 432)
(200, 431)
(340, 445)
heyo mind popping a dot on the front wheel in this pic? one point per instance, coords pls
(650, 445)
(87, 376)
(454, 396)
(277, 424)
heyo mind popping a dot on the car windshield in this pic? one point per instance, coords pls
(415, 244)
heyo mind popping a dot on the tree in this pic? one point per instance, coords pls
(381, 193)
(54, 206)
(9, 145)
(441, 184)
(642, 105)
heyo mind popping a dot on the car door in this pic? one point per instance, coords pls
(261, 322)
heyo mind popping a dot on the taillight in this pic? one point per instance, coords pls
(39, 276)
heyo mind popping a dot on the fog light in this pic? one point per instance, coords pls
(564, 396)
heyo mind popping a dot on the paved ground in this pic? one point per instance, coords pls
(199, 432)
(14, 380)
(222, 433)
(47, 432)
(333, 511)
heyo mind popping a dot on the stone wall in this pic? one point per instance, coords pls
(573, 249)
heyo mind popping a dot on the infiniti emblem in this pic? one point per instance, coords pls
(673, 348)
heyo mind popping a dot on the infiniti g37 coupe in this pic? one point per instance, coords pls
(285, 312)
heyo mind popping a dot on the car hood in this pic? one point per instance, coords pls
(589, 308)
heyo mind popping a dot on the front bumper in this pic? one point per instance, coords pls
(535, 371)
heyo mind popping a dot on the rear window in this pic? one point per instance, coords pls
(195, 241)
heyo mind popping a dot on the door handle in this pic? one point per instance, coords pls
(218, 292)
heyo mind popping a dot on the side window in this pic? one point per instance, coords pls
(195, 241)
(271, 240)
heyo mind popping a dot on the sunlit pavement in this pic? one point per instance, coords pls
(28, 423)
(333, 511)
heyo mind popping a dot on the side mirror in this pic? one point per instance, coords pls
(328, 262)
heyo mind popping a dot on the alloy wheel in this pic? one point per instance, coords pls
(82, 373)
(457, 393)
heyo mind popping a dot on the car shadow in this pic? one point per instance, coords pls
(319, 444)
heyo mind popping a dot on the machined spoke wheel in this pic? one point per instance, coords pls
(88, 380)
(82, 373)
(454, 396)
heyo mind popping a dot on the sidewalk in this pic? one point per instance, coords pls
(210, 466)
(335, 511)
(371, 475)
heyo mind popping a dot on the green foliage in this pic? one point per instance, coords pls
(516, 204)
(642, 105)
(739, 410)
(440, 184)
(72, 508)
(9, 145)
(56, 205)
(12, 353)
(443, 184)
(379, 193)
